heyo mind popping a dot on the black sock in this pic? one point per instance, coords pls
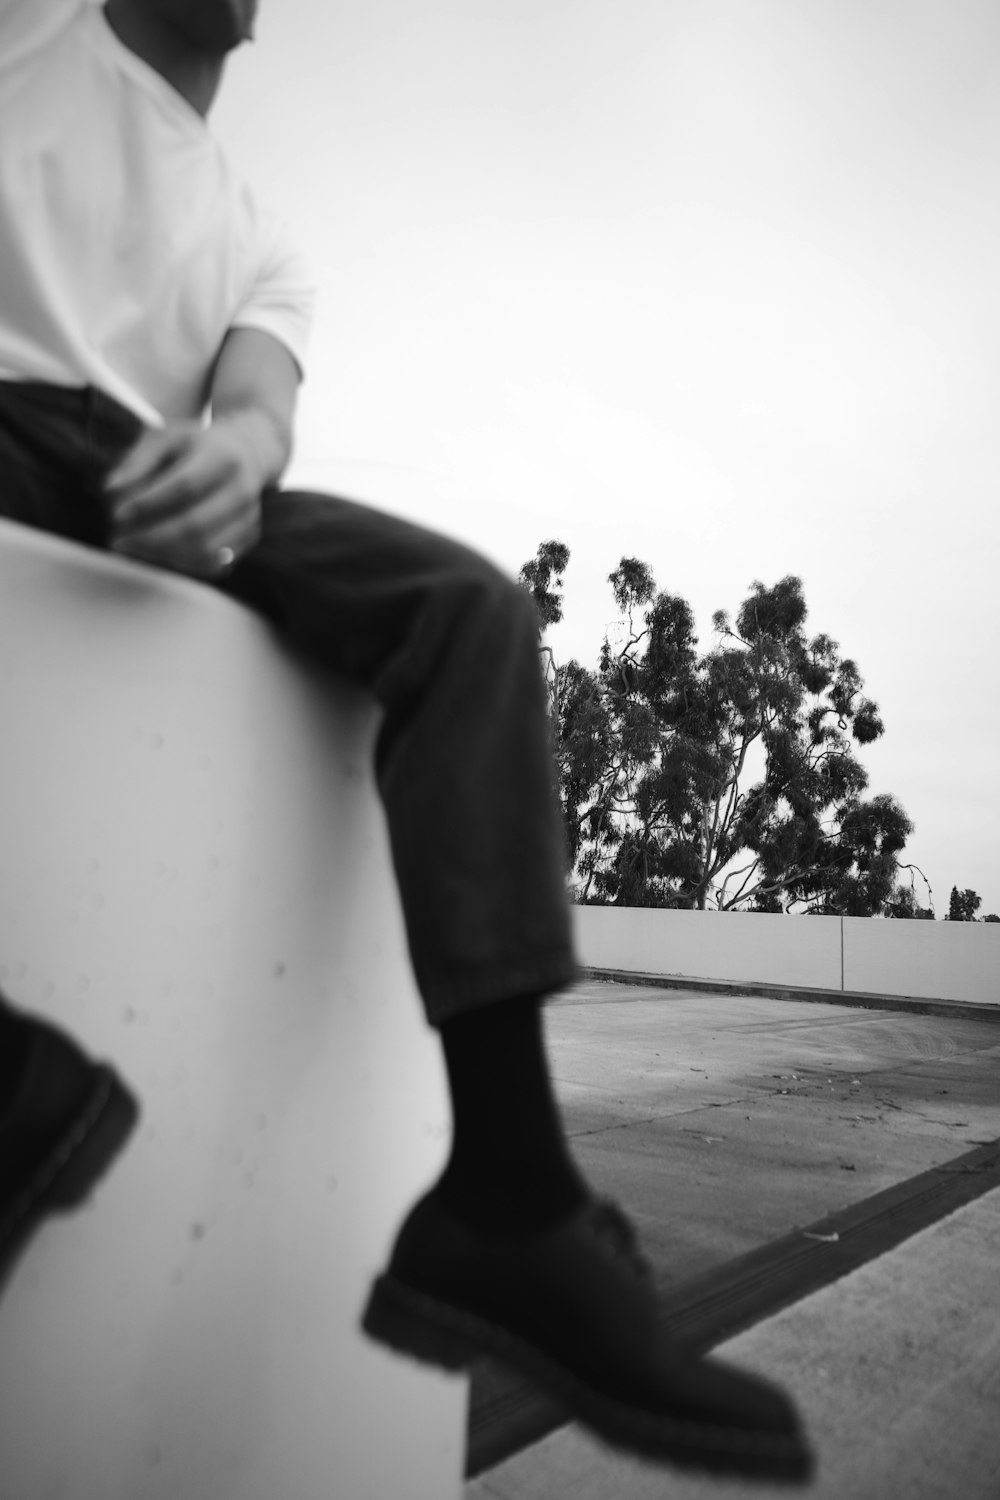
(510, 1167)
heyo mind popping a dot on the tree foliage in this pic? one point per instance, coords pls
(903, 903)
(724, 778)
(537, 576)
(963, 905)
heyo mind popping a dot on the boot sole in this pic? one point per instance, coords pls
(437, 1333)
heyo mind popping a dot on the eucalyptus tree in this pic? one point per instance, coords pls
(727, 778)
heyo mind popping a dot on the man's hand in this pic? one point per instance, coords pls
(184, 492)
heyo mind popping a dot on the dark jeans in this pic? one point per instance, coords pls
(445, 642)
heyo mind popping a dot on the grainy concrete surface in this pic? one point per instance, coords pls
(722, 1122)
(896, 1370)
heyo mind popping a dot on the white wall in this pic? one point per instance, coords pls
(711, 945)
(929, 960)
(926, 960)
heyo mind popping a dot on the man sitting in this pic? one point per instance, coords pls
(142, 290)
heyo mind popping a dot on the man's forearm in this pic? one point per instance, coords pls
(254, 390)
(262, 434)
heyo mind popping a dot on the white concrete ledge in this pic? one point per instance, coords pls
(195, 881)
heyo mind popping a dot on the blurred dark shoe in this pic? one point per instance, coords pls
(61, 1125)
(574, 1310)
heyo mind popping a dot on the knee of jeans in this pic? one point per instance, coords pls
(492, 597)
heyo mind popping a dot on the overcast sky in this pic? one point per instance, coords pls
(711, 284)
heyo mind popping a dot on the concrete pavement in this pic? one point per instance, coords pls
(724, 1122)
(896, 1369)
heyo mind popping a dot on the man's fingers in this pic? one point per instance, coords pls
(187, 532)
(147, 456)
(192, 542)
(179, 483)
(184, 496)
(214, 559)
(226, 554)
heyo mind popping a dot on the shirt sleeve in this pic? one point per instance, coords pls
(282, 297)
(27, 24)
